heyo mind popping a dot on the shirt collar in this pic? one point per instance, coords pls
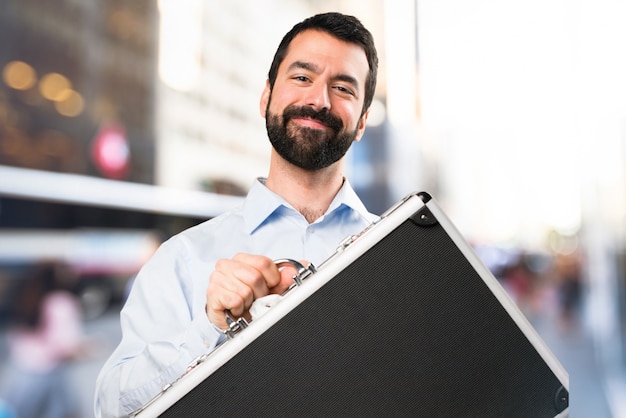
(261, 202)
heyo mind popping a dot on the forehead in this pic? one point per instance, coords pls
(328, 53)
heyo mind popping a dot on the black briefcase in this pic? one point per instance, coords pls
(403, 320)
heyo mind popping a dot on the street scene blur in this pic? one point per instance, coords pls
(123, 122)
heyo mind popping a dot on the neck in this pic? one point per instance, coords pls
(310, 193)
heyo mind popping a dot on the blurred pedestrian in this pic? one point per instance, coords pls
(570, 289)
(45, 333)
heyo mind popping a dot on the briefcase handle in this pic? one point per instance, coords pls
(235, 326)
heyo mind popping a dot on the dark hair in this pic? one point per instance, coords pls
(343, 27)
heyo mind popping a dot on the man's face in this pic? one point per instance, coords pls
(313, 113)
(308, 148)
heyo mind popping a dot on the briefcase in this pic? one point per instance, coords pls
(403, 319)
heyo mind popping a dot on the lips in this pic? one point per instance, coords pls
(310, 123)
(310, 118)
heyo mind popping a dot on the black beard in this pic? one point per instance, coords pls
(307, 148)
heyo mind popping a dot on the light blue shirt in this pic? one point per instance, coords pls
(164, 322)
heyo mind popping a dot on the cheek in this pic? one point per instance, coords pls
(349, 116)
(281, 98)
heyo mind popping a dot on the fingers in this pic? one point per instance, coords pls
(253, 265)
(236, 283)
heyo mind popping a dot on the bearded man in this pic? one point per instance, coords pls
(316, 102)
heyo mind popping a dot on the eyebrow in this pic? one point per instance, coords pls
(309, 66)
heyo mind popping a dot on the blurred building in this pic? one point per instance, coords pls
(78, 87)
(212, 62)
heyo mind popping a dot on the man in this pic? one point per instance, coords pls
(316, 103)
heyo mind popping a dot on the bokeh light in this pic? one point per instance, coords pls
(54, 86)
(70, 103)
(19, 75)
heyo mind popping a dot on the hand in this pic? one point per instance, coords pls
(238, 281)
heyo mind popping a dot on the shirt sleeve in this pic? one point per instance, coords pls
(164, 328)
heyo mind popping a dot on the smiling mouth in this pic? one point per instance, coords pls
(309, 123)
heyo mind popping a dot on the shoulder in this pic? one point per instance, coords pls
(228, 220)
(208, 234)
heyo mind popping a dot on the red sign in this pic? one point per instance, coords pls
(110, 151)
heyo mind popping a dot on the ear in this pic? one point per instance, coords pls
(265, 98)
(361, 126)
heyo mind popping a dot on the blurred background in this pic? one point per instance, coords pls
(123, 122)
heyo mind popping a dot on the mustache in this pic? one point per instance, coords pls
(323, 116)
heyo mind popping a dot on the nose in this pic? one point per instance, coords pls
(318, 97)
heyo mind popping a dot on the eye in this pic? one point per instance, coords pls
(344, 90)
(301, 78)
